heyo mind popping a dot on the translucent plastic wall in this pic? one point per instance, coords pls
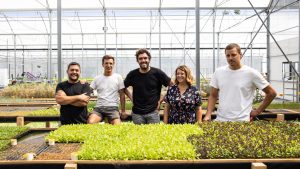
(284, 57)
(128, 31)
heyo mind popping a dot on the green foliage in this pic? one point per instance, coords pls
(129, 141)
(289, 105)
(4, 144)
(53, 111)
(247, 140)
(258, 97)
(8, 132)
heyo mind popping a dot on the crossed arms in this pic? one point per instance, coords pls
(77, 100)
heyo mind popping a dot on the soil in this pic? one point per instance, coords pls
(59, 152)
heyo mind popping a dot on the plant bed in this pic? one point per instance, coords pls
(4, 144)
(129, 141)
(215, 140)
(9, 132)
(247, 140)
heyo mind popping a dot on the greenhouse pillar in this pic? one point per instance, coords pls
(104, 29)
(59, 40)
(82, 53)
(268, 48)
(218, 49)
(159, 34)
(251, 51)
(23, 60)
(150, 34)
(49, 74)
(15, 57)
(116, 53)
(7, 58)
(184, 34)
(214, 52)
(197, 45)
(298, 92)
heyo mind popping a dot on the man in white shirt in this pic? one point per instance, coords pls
(235, 85)
(110, 87)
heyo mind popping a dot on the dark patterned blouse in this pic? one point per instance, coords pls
(182, 107)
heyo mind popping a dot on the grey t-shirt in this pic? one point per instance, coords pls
(108, 89)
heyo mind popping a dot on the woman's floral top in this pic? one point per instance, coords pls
(183, 107)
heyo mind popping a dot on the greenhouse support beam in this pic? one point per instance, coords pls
(128, 8)
(218, 49)
(298, 87)
(287, 59)
(184, 36)
(197, 44)
(214, 32)
(214, 35)
(268, 49)
(112, 48)
(251, 52)
(15, 57)
(23, 60)
(7, 59)
(59, 58)
(50, 47)
(105, 26)
(159, 35)
(256, 33)
(120, 33)
(82, 40)
(285, 6)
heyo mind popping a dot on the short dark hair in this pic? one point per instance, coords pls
(141, 51)
(233, 45)
(73, 63)
(107, 57)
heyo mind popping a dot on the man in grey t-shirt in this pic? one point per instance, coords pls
(110, 87)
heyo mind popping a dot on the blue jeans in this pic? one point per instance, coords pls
(149, 118)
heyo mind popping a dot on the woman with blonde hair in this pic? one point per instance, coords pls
(183, 100)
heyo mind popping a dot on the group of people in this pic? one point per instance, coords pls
(234, 85)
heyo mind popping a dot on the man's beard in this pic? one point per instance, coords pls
(72, 79)
(144, 68)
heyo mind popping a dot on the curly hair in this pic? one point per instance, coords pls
(141, 51)
(188, 73)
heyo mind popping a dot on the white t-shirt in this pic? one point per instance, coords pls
(108, 89)
(236, 92)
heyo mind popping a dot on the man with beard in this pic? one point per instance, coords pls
(235, 85)
(73, 96)
(146, 85)
(110, 87)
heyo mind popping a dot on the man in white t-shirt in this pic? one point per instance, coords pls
(235, 85)
(110, 87)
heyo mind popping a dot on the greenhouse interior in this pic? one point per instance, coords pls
(239, 59)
